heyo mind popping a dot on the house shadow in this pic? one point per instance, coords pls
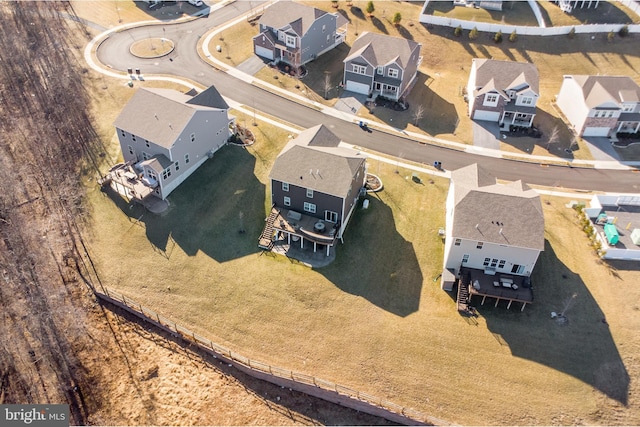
(580, 344)
(170, 11)
(376, 262)
(218, 210)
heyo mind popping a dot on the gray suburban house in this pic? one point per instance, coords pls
(382, 65)
(505, 92)
(315, 186)
(296, 34)
(165, 135)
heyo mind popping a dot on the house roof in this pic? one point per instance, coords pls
(598, 90)
(485, 211)
(210, 97)
(160, 115)
(380, 49)
(500, 76)
(314, 160)
(290, 14)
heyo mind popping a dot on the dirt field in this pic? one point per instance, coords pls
(59, 345)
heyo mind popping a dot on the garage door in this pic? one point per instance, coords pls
(357, 87)
(264, 52)
(595, 131)
(491, 116)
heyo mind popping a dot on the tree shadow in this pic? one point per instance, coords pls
(379, 25)
(404, 33)
(377, 263)
(205, 210)
(582, 347)
(357, 12)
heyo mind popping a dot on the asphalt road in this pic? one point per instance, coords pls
(185, 62)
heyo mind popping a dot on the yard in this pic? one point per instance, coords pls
(512, 13)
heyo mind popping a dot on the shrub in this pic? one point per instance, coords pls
(611, 36)
(572, 33)
(473, 34)
(397, 17)
(513, 36)
(458, 31)
(498, 37)
(370, 8)
(624, 31)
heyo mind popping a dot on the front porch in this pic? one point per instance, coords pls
(500, 286)
(518, 116)
(291, 228)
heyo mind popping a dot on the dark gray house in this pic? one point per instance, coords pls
(296, 34)
(382, 65)
(165, 135)
(315, 185)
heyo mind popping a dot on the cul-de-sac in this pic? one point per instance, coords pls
(234, 212)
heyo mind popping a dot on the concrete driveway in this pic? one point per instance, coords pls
(601, 149)
(252, 65)
(350, 102)
(486, 134)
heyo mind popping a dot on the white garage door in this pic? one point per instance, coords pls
(491, 116)
(264, 52)
(595, 131)
(357, 87)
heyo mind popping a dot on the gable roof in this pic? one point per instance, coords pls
(314, 160)
(160, 115)
(210, 97)
(290, 14)
(485, 211)
(598, 90)
(380, 49)
(494, 75)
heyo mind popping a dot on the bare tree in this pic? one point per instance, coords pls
(327, 84)
(418, 114)
(554, 137)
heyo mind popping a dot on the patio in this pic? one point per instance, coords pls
(500, 286)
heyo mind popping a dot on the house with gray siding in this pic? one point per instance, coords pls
(505, 92)
(165, 135)
(315, 186)
(494, 234)
(296, 34)
(600, 106)
(381, 65)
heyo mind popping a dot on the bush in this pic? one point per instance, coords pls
(513, 36)
(458, 31)
(572, 33)
(473, 34)
(611, 36)
(624, 31)
(397, 17)
(498, 37)
(370, 8)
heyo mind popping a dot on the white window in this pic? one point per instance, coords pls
(186, 158)
(331, 216)
(122, 133)
(133, 137)
(130, 149)
(511, 93)
(465, 258)
(392, 72)
(146, 156)
(193, 137)
(290, 41)
(491, 99)
(380, 70)
(151, 174)
(285, 186)
(359, 69)
(309, 207)
(486, 262)
(328, 37)
(287, 201)
(526, 100)
(324, 28)
(166, 173)
(501, 264)
(146, 142)
(309, 193)
(609, 113)
(457, 242)
(177, 166)
(479, 245)
(494, 262)
(627, 108)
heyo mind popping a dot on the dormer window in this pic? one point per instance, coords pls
(380, 70)
(526, 100)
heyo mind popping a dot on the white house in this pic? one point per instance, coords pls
(494, 235)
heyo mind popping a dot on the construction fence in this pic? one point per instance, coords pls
(323, 389)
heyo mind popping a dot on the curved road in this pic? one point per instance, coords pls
(185, 61)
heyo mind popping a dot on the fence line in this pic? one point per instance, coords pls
(304, 383)
(526, 30)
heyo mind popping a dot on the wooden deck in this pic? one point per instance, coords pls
(507, 287)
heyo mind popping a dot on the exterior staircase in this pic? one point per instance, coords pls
(266, 238)
(463, 294)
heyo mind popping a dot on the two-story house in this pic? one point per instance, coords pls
(383, 65)
(315, 186)
(493, 237)
(165, 135)
(600, 106)
(296, 34)
(503, 91)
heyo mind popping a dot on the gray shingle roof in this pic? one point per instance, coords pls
(485, 211)
(314, 160)
(600, 89)
(160, 115)
(285, 13)
(380, 49)
(497, 75)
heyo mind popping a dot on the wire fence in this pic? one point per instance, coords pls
(304, 383)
